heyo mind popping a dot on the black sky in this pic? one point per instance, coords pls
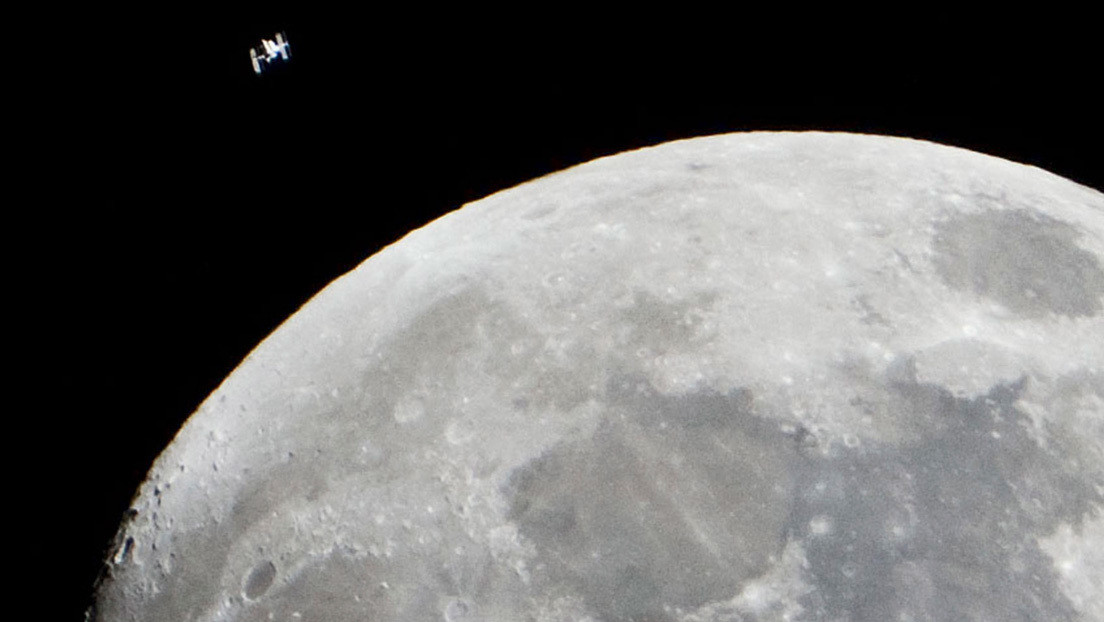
(215, 202)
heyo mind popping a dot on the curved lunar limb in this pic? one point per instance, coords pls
(760, 376)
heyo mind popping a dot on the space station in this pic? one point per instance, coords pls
(270, 53)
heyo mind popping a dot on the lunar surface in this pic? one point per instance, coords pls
(747, 377)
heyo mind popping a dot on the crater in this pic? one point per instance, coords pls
(1026, 261)
(122, 555)
(457, 609)
(259, 580)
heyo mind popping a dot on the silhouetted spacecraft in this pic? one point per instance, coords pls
(270, 52)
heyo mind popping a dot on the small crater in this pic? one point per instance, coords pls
(259, 580)
(460, 431)
(555, 280)
(1024, 260)
(457, 609)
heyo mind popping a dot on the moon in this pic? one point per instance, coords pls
(757, 376)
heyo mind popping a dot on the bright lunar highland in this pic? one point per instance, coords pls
(747, 377)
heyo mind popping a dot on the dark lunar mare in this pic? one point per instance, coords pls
(669, 505)
(943, 528)
(1023, 259)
